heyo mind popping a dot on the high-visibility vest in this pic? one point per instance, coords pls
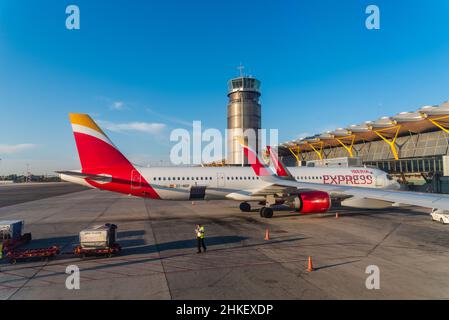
(200, 232)
(1, 250)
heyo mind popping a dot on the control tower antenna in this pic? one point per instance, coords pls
(241, 67)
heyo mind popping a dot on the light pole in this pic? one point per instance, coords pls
(28, 173)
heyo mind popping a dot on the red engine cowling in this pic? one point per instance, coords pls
(312, 202)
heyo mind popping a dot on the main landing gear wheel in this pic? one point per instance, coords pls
(266, 212)
(245, 207)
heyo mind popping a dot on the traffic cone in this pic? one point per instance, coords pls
(336, 215)
(310, 266)
(267, 234)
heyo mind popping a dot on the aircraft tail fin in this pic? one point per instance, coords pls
(259, 167)
(281, 169)
(96, 151)
(103, 166)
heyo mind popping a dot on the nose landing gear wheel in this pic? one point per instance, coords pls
(245, 207)
(266, 212)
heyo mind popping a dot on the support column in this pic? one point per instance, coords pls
(298, 161)
(347, 146)
(391, 143)
(319, 151)
(439, 123)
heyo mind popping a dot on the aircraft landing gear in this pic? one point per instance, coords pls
(245, 207)
(266, 212)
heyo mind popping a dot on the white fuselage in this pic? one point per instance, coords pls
(185, 183)
(238, 183)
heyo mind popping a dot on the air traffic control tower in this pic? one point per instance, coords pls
(244, 112)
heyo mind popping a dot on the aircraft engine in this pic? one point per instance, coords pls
(312, 202)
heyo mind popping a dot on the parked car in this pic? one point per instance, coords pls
(441, 216)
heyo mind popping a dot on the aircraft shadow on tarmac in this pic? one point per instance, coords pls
(283, 211)
(133, 246)
(354, 212)
(275, 208)
(211, 243)
(123, 261)
(131, 249)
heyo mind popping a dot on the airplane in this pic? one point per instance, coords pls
(308, 190)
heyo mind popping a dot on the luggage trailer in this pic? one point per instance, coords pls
(11, 235)
(98, 241)
(42, 253)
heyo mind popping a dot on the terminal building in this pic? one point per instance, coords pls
(412, 146)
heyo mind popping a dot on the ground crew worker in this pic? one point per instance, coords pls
(1, 250)
(199, 231)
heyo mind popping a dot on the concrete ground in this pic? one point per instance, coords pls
(23, 192)
(159, 259)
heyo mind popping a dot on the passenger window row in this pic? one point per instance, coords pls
(308, 178)
(200, 178)
(227, 178)
(180, 178)
(242, 178)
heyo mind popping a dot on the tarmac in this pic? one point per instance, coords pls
(159, 259)
(11, 194)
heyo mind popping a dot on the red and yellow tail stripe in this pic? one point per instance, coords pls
(83, 123)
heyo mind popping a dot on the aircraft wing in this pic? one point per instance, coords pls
(272, 189)
(427, 200)
(275, 183)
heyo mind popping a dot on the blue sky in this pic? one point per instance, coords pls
(143, 68)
